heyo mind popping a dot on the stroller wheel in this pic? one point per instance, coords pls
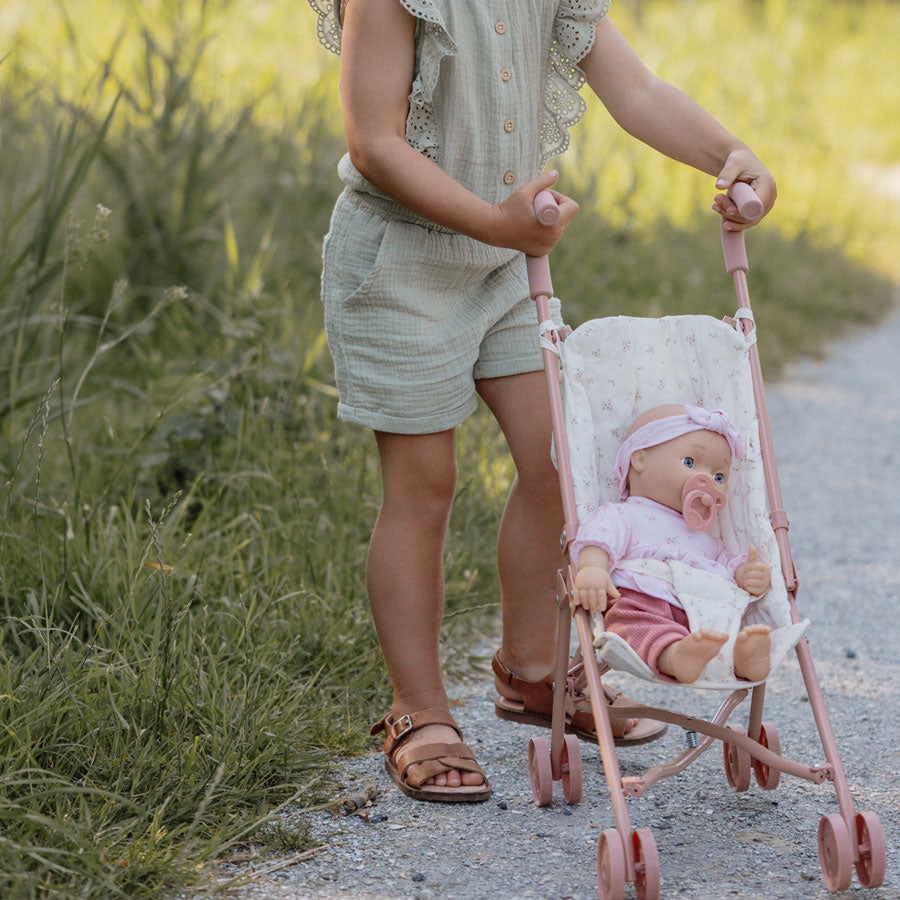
(610, 865)
(572, 773)
(540, 771)
(737, 763)
(835, 852)
(646, 865)
(767, 777)
(872, 855)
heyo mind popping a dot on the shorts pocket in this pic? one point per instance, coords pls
(353, 254)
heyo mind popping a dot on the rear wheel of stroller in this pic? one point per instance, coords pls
(646, 865)
(767, 777)
(540, 771)
(610, 865)
(872, 860)
(737, 763)
(572, 772)
(835, 852)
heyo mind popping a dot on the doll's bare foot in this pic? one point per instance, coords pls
(751, 652)
(685, 660)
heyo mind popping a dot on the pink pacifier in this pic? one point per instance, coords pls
(701, 501)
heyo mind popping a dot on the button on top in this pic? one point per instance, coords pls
(509, 125)
(509, 177)
(505, 74)
(500, 27)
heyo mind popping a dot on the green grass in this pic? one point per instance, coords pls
(185, 641)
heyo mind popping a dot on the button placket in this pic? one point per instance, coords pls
(509, 124)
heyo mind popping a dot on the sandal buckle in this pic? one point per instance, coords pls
(402, 727)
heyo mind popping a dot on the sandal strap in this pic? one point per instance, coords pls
(397, 730)
(433, 759)
(537, 696)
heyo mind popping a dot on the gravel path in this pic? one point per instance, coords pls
(837, 433)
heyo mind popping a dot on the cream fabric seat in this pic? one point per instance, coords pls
(613, 369)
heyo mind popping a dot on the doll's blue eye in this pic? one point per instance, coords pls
(719, 478)
(689, 462)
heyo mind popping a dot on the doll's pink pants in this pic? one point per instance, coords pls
(647, 623)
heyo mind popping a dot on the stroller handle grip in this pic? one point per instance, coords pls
(546, 210)
(748, 203)
(751, 208)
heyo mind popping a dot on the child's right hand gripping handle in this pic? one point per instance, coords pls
(751, 208)
(547, 211)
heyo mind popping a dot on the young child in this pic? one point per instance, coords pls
(451, 109)
(673, 471)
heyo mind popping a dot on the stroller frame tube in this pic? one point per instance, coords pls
(605, 738)
(780, 524)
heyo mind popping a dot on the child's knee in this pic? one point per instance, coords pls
(438, 488)
(426, 491)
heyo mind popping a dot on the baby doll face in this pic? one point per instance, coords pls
(661, 472)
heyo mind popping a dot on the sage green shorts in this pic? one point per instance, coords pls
(415, 315)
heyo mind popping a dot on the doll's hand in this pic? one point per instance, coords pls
(754, 576)
(593, 586)
(743, 165)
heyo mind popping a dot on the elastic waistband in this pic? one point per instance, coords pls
(390, 209)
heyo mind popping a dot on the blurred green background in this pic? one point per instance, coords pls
(185, 636)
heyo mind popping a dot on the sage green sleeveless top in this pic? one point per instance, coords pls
(495, 89)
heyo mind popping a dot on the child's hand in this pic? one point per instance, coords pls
(515, 225)
(743, 165)
(754, 576)
(593, 587)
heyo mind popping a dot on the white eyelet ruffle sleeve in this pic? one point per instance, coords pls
(433, 43)
(573, 37)
(328, 23)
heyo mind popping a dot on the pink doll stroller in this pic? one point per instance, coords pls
(599, 377)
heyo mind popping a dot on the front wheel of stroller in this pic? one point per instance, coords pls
(646, 865)
(767, 777)
(737, 763)
(610, 865)
(872, 860)
(541, 772)
(835, 852)
(572, 772)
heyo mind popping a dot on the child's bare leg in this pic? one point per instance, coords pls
(685, 659)
(405, 575)
(528, 554)
(751, 652)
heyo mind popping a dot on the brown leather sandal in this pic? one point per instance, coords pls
(536, 708)
(430, 759)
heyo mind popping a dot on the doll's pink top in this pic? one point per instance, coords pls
(640, 528)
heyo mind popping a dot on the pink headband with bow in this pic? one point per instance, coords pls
(695, 418)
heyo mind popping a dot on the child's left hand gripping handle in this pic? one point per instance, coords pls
(546, 210)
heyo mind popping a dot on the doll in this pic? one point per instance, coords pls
(673, 472)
